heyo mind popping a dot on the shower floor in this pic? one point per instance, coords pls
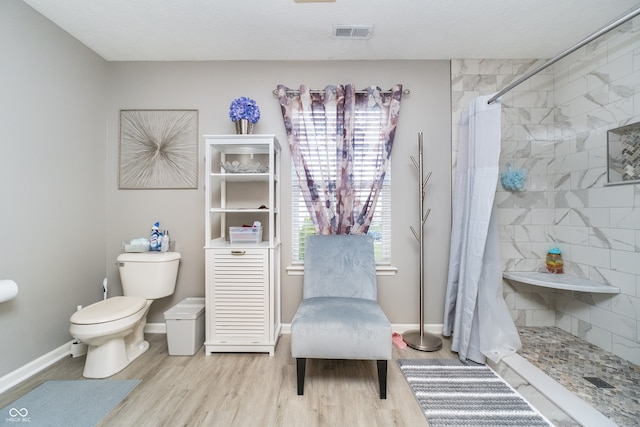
(568, 360)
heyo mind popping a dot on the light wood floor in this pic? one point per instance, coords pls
(241, 389)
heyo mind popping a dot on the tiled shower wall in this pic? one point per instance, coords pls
(555, 126)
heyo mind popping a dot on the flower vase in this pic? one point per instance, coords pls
(243, 127)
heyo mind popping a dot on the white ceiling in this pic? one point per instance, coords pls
(171, 30)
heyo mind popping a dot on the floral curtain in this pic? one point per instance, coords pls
(340, 141)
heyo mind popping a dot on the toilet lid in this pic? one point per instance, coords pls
(108, 310)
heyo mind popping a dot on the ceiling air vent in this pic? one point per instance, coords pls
(352, 31)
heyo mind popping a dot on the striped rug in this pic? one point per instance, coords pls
(451, 393)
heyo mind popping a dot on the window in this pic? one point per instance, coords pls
(380, 228)
(341, 141)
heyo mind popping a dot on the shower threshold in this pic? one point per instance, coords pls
(565, 400)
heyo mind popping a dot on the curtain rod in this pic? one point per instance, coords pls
(275, 91)
(572, 49)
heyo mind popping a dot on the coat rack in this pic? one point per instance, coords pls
(420, 340)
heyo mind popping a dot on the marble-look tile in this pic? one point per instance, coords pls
(543, 147)
(515, 249)
(566, 93)
(612, 238)
(625, 281)
(620, 63)
(573, 308)
(611, 113)
(465, 66)
(541, 116)
(613, 322)
(598, 162)
(531, 233)
(628, 349)
(590, 217)
(495, 66)
(572, 199)
(542, 318)
(562, 216)
(534, 300)
(539, 252)
(627, 262)
(530, 199)
(514, 216)
(562, 181)
(591, 256)
(541, 82)
(523, 66)
(588, 178)
(612, 197)
(569, 234)
(540, 182)
(538, 99)
(541, 216)
(479, 83)
(573, 162)
(628, 218)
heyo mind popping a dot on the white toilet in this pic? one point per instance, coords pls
(113, 329)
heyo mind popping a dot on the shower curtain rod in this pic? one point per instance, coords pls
(386, 92)
(572, 49)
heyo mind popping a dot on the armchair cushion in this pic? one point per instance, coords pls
(340, 328)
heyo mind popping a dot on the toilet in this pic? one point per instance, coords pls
(113, 329)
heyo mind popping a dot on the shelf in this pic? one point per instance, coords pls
(242, 144)
(560, 281)
(239, 210)
(241, 177)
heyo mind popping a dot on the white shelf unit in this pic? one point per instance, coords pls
(242, 279)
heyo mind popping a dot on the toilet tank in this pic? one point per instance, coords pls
(150, 275)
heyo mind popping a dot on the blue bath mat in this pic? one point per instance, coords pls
(80, 403)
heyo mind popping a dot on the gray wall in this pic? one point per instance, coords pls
(52, 181)
(63, 217)
(210, 87)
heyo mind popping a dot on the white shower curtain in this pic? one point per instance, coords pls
(476, 316)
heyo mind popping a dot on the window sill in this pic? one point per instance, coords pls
(381, 270)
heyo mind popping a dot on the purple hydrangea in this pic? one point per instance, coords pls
(244, 108)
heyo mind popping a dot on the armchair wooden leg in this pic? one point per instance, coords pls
(301, 364)
(382, 378)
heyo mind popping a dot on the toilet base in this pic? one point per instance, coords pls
(111, 357)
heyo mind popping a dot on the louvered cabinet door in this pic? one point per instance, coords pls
(237, 297)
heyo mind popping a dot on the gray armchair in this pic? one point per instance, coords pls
(339, 316)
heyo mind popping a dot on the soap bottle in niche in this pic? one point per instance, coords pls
(164, 246)
(156, 239)
(554, 261)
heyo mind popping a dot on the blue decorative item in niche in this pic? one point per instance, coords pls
(513, 180)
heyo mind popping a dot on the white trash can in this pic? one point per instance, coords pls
(185, 327)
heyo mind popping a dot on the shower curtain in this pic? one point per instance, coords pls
(475, 314)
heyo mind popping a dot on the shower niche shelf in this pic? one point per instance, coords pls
(560, 281)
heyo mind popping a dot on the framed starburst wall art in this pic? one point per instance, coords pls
(158, 149)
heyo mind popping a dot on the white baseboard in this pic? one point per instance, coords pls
(32, 368)
(155, 328)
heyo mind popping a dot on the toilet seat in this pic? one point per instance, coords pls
(114, 308)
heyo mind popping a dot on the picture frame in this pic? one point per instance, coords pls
(158, 149)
